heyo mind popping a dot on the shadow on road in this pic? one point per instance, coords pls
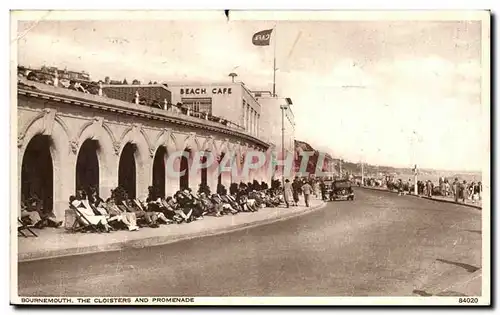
(474, 231)
(421, 293)
(467, 267)
(444, 293)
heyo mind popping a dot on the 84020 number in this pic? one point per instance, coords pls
(468, 300)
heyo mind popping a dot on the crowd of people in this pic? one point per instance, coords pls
(306, 187)
(120, 212)
(458, 190)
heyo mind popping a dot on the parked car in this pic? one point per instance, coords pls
(341, 190)
(328, 187)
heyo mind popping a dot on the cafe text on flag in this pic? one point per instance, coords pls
(262, 38)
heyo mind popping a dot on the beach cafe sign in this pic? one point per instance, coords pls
(204, 91)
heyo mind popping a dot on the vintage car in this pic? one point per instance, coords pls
(341, 190)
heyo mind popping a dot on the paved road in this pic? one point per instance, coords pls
(378, 244)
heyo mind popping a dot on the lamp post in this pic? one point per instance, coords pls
(362, 173)
(415, 172)
(283, 108)
(232, 75)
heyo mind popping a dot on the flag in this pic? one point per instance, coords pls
(262, 38)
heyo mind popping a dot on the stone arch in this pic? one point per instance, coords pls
(210, 145)
(136, 135)
(43, 123)
(190, 142)
(225, 178)
(167, 139)
(48, 124)
(143, 155)
(159, 170)
(98, 130)
(40, 125)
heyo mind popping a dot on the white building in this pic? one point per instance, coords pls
(231, 101)
(276, 114)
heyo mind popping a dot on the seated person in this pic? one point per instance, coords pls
(242, 198)
(31, 216)
(217, 202)
(229, 205)
(194, 203)
(148, 216)
(257, 196)
(81, 204)
(125, 205)
(34, 203)
(154, 205)
(183, 207)
(126, 218)
(210, 207)
(169, 210)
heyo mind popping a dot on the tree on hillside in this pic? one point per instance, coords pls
(125, 81)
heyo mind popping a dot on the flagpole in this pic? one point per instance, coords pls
(274, 61)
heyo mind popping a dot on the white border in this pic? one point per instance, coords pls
(342, 300)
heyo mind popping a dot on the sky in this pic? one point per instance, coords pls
(393, 93)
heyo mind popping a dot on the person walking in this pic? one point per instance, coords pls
(287, 193)
(480, 189)
(429, 189)
(464, 191)
(317, 189)
(296, 190)
(306, 190)
(456, 189)
(323, 190)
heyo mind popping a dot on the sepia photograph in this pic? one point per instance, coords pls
(250, 158)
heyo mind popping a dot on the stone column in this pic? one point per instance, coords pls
(108, 173)
(248, 118)
(194, 177)
(243, 123)
(144, 173)
(64, 163)
(255, 123)
(258, 125)
(212, 178)
(249, 129)
(226, 180)
(171, 185)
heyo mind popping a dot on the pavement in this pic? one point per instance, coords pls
(53, 243)
(470, 203)
(380, 244)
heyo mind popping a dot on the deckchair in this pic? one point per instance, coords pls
(82, 224)
(21, 227)
(142, 221)
(159, 215)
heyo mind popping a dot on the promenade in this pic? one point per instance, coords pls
(474, 204)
